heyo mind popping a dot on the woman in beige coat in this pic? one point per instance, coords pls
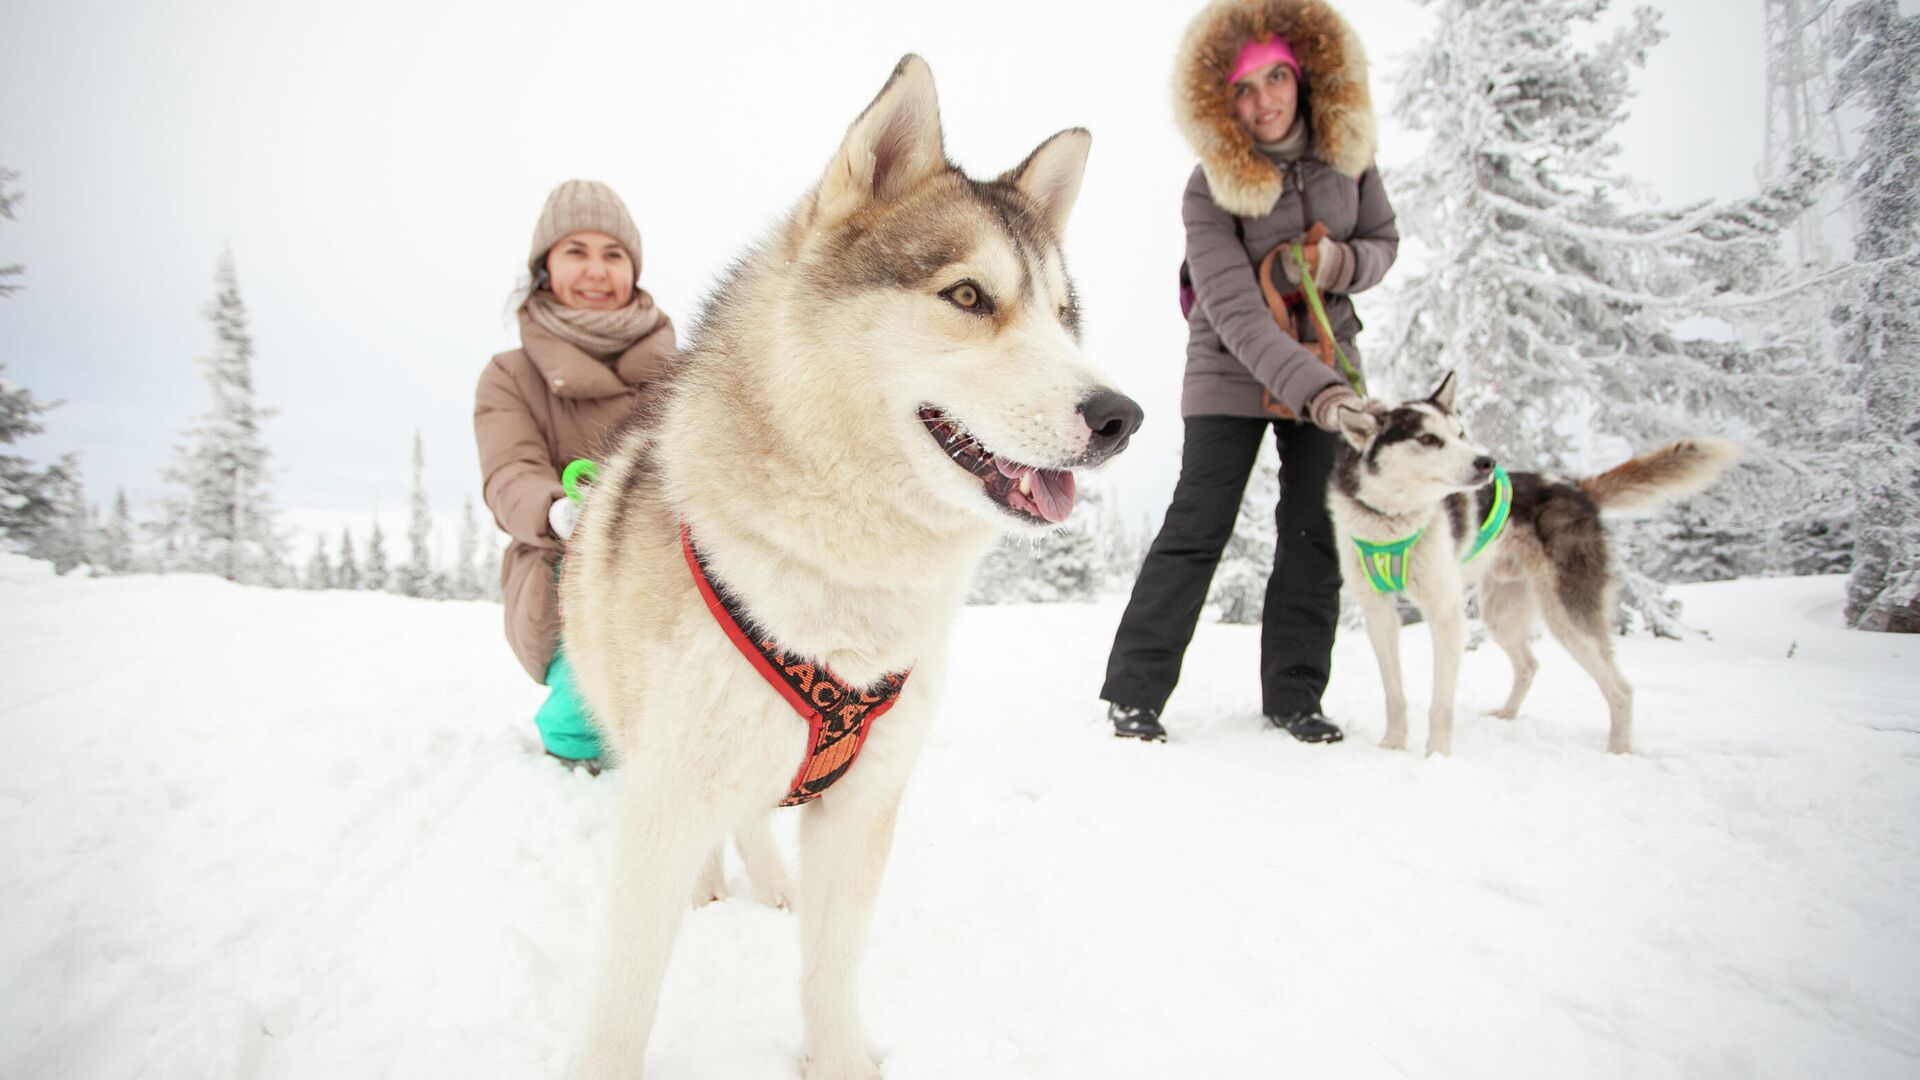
(592, 346)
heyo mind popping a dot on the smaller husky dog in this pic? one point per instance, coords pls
(887, 384)
(1420, 509)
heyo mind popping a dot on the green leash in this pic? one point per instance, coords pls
(1386, 564)
(1326, 327)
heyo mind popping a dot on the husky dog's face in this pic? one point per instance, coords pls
(947, 300)
(1417, 452)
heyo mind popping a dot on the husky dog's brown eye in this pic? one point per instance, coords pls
(968, 297)
(1431, 440)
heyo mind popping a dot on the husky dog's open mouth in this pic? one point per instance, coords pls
(1026, 492)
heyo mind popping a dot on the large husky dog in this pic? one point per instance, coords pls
(1418, 507)
(883, 387)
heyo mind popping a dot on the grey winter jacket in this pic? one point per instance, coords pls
(1241, 202)
(1239, 362)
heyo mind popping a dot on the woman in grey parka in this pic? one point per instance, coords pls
(1272, 94)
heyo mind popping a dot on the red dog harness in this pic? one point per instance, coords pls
(837, 715)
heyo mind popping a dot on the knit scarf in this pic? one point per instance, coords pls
(1292, 146)
(600, 334)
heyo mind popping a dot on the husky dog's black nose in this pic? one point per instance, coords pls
(1483, 465)
(1113, 417)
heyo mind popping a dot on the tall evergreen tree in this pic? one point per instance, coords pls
(118, 554)
(373, 573)
(1880, 319)
(1554, 303)
(30, 495)
(224, 505)
(319, 573)
(8, 200)
(415, 576)
(346, 568)
(68, 540)
(466, 573)
(1561, 308)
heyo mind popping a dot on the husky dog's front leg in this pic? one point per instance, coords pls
(1445, 614)
(662, 835)
(844, 843)
(765, 869)
(1383, 630)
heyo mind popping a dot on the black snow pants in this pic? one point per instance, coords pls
(1303, 594)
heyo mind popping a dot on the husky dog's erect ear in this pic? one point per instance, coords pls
(1443, 394)
(891, 149)
(1051, 175)
(1357, 426)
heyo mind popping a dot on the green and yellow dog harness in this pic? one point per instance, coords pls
(1386, 564)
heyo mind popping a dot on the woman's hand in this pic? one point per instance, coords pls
(1324, 409)
(562, 516)
(1329, 261)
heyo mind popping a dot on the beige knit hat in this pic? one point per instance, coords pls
(583, 206)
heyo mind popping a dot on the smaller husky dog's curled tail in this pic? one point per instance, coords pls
(1674, 471)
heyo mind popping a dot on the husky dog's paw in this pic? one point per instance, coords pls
(1394, 740)
(704, 896)
(847, 1065)
(1442, 747)
(1502, 712)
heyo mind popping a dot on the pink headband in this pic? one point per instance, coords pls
(1259, 52)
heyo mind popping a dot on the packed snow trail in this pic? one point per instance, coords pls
(247, 833)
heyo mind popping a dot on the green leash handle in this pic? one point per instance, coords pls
(577, 470)
(1326, 327)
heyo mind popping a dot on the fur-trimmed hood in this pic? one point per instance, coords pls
(1333, 68)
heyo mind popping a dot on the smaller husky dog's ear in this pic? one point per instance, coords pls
(893, 147)
(1443, 395)
(1051, 175)
(1357, 426)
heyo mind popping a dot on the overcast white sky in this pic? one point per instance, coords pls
(377, 168)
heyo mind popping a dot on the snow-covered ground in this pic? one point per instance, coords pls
(269, 834)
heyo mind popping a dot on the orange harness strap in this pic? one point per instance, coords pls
(837, 715)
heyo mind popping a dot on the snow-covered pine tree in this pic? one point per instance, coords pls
(30, 495)
(224, 506)
(1560, 308)
(415, 576)
(1880, 318)
(346, 568)
(465, 583)
(1066, 559)
(117, 555)
(496, 554)
(1060, 564)
(8, 200)
(68, 540)
(1239, 589)
(1004, 576)
(1813, 513)
(319, 573)
(374, 573)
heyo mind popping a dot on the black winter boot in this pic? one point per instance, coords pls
(1136, 722)
(1308, 727)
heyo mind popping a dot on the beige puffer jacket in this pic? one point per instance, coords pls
(537, 408)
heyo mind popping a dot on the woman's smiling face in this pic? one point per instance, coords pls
(1264, 101)
(590, 270)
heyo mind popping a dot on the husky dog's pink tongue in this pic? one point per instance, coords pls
(1047, 494)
